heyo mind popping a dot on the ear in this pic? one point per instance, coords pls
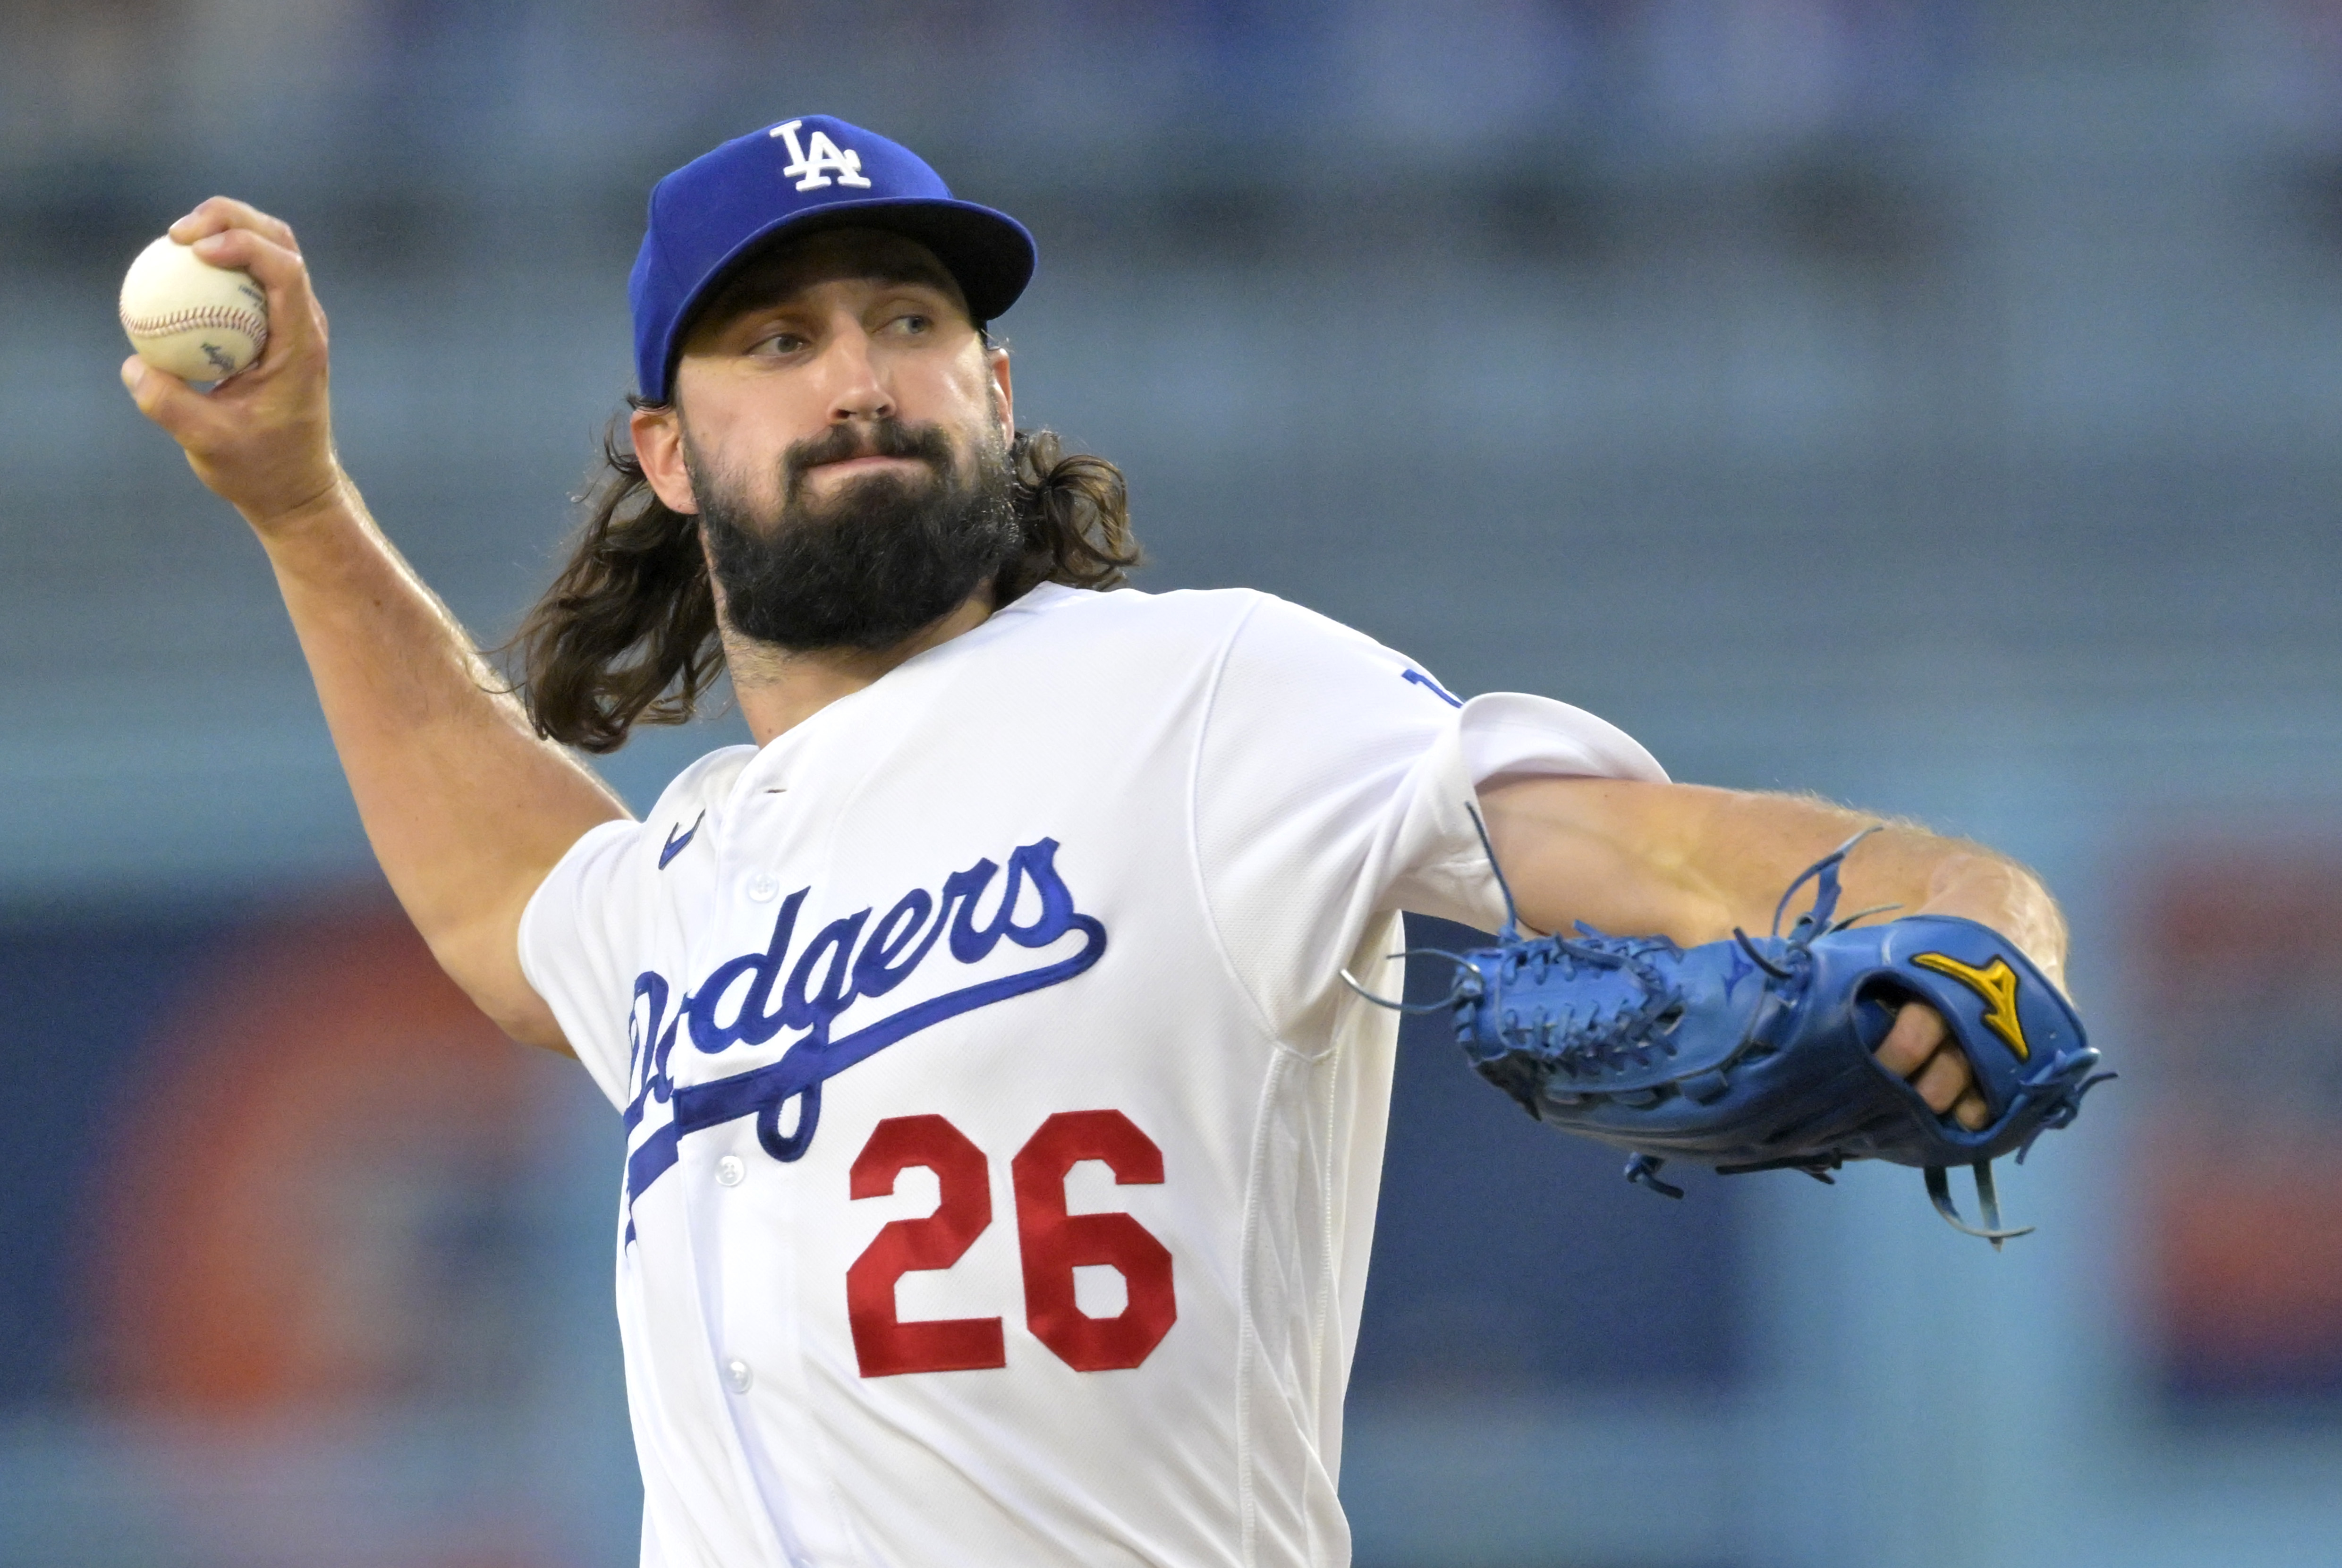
(1004, 399)
(658, 447)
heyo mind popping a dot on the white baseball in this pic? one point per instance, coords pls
(196, 320)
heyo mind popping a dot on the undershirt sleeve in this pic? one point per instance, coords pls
(572, 952)
(1331, 786)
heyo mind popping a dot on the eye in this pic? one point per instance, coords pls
(777, 342)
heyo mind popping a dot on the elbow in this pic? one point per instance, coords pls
(483, 959)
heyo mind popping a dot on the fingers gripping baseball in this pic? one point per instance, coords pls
(217, 215)
(262, 439)
(1920, 1049)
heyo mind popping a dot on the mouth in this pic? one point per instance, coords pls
(846, 467)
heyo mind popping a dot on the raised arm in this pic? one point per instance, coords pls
(1691, 863)
(466, 807)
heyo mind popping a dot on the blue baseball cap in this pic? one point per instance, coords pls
(796, 177)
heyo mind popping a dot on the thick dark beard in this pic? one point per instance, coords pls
(887, 555)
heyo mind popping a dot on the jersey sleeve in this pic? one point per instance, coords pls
(1331, 786)
(574, 948)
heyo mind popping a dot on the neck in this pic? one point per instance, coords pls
(779, 689)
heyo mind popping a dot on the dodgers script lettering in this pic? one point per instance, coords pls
(807, 989)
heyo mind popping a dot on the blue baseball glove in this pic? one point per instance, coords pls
(1756, 1055)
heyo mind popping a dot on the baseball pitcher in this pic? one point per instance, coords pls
(1002, 1131)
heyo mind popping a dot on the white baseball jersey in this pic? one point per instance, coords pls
(1002, 1146)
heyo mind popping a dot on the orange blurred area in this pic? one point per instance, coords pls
(2240, 967)
(2225, 921)
(300, 1208)
(2247, 1277)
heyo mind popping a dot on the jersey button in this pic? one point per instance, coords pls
(737, 1373)
(763, 887)
(729, 1169)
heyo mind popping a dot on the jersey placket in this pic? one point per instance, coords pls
(699, 1250)
(755, 1202)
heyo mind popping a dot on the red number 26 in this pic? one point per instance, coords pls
(1052, 1244)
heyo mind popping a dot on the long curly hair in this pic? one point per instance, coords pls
(626, 634)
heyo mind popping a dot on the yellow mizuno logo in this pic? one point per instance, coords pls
(1997, 983)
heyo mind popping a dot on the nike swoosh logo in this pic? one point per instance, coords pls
(675, 845)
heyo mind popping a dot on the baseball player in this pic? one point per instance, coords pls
(1002, 1145)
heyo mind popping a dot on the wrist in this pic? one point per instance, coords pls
(2005, 897)
(326, 504)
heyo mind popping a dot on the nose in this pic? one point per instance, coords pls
(856, 391)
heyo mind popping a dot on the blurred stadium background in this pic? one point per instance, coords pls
(1932, 402)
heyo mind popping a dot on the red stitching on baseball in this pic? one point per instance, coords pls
(234, 318)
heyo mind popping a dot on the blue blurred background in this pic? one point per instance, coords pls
(1929, 403)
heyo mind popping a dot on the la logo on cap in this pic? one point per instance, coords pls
(817, 162)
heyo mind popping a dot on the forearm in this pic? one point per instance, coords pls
(1693, 863)
(465, 806)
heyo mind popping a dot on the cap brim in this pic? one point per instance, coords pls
(989, 254)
